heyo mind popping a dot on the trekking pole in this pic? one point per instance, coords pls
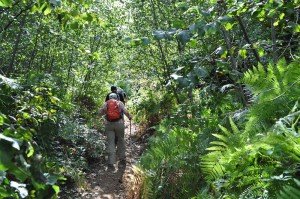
(130, 143)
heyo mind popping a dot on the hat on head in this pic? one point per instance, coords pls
(113, 88)
(113, 96)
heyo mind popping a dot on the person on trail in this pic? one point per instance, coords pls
(120, 93)
(114, 111)
(121, 97)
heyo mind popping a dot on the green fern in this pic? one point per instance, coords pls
(220, 150)
(289, 192)
(274, 93)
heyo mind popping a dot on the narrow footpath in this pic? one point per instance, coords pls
(121, 184)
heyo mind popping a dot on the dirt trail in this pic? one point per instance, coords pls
(103, 184)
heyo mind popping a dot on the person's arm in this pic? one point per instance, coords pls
(121, 98)
(102, 110)
(125, 111)
(107, 97)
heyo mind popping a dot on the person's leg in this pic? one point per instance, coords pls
(120, 129)
(116, 139)
(111, 143)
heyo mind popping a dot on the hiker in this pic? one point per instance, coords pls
(121, 97)
(120, 93)
(114, 111)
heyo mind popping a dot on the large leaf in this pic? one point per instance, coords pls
(159, 34)
(2, 176)
(6, 3)
(200, 72)
(183, 36)
(1, 119)
(14, 142)
(10, 82)
(6, 156)
(21, 188)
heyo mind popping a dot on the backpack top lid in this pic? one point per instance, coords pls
(113, 96)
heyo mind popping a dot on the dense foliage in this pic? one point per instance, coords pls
(218, 81)
(233, 68)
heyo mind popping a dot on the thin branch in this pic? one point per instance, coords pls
(289, 44)
(246, 37)
(14, 18)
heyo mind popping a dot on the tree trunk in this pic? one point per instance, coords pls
(11, 67)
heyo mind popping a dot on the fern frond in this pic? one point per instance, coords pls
(274, 92)
(215, 148)
(228, 133)
(290, 192)
(219, 143)
(221, 137)
(234, 127)
(211, 166)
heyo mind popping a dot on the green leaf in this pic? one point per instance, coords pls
(5, 156)
(145, 40)
(297, 28)
(175, 76)
(221, 137)
(192, 10)
(177, 23)
(228, 133)
(276, 23)
(51, 179)
(1, 120)
(56, 188)
(74, 25)
(192, 43)
(21, 188)
(9, 82)
(26, 115)
(215, 148)
(87, 17)
(261, 52)
(2, 176)
(95, 56)
(20, 173)
(200, 72)
(43, 7)
(219, 143)
(6, 3)
(228, 26)
(14, 142)
(234, 127)
(30, 150)
(181, 5)
(127, 39)
(210, 28)
(281, 16)
(243, 53)
(4, 193)
(184, 36)
(47, 10)
(262, 15)
(159, 34)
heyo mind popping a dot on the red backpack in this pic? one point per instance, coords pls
(113, 111)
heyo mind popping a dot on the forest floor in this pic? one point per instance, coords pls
(101, 183)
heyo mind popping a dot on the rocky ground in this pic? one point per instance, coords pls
(123, 183)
